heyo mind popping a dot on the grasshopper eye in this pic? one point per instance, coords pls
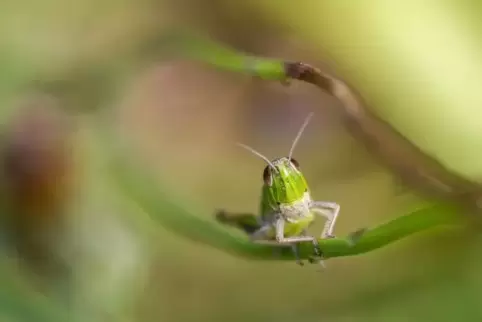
(295, 163)
(268, 180)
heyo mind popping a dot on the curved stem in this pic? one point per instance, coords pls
(408, 161)
(134, 182)
(160, 206)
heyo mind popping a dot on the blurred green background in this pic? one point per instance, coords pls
(416, 63)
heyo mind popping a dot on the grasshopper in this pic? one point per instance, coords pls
(287, 208)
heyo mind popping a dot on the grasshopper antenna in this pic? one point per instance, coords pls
(250, 149)
(300, 132)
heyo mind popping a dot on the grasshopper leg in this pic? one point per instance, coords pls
(280, 235)
(331, 216)
(249, 223)
(262, 234)
(318, 255)
(296, 251)
(280, 238)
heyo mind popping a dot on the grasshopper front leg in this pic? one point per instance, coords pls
(318, 207)
(331, 216)
(263, 236)
(280, 235)
(294, 241)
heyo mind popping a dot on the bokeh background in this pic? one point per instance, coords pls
(69, 68)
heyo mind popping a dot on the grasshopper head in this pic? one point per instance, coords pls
(285, 184)
(284, 181)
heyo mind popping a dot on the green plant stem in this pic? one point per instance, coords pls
(415, 168)
(135, 182)
(210, 52)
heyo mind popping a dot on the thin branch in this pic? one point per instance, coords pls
(136, 183)
(402, 156)
(413, 166)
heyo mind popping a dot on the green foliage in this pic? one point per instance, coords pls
(136, 183)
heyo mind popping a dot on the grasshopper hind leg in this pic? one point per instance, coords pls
(248, 223)
(317, 257)
(296, 251)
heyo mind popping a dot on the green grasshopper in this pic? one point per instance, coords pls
(286, 209)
